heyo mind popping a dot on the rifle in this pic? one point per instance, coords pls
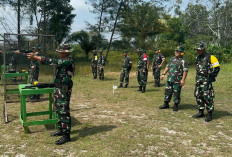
(40, 85)
(25, 52)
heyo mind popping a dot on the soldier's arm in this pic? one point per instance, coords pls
(164, 73)
(185, 69)
(163, 60)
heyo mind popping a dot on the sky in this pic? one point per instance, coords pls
(81, 9)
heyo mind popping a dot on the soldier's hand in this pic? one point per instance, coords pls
(159, 66)
(151, 68)
(0, 51)
(143, 71)
(182, 82)
(136, 72)
(30, 56)
(162, 77)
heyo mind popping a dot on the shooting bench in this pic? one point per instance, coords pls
(24, 93)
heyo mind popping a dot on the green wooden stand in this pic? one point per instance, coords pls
(52, 119)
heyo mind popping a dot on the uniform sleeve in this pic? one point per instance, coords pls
(130, 60)
(145, 59)
(214, 61)
(185, 65)
(57, 62)
(169, 62)
(162, 57)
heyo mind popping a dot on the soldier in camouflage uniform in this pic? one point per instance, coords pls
(63, 89)
(94, 64)
(148, 62)
(158, 60)
(100, 65)
(141, 70)
(34, 70)
(177, 69)
(126, 68)
(207, 69)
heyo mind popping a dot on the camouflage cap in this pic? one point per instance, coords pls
(94, 52)
(64, 48)
(125, 51)
(100, 51)
(200, 46)
(139, 50)
(180, 49)
(157, 49)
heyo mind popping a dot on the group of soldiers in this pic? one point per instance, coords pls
(207, 69)
(97, 64)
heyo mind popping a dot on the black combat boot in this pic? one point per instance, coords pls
(57, 133)
(120, 86)
(126, 85)
(65, 138)
(143, 90)
(209, 116)
(200, 114)
(164, 106)
(140, 88)
(32, 97)
(175, 107)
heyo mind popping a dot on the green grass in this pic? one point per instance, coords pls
(127, 123)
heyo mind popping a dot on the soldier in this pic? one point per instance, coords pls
(158, 60)
(34, 70)
(177, 69)
(94, 64)
(207, 69)
(141, 71)
(148, 61)
(126, 68)
(100, 65)
(63, 89)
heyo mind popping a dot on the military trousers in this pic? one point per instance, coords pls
(34, 74)
(204, 94)
(141, 78)
(101, 73)
(94, 71)
(124, 75)
(62, 100)
(156, 74)
(174, 89)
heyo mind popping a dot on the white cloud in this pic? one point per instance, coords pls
(80, 5)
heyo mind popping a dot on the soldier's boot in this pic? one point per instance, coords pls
(37, 97)
(65, 138)
(209, 116)
(140, 88)
(120, 86)
(200, 114)
(57, 133)
(158, 84)
(143, 89)
(164, 106)
(175, 107)
(126, 85)
(32, 97)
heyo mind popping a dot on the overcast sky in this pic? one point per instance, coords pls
(81, 9)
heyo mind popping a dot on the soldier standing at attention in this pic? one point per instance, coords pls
(100, 65)
(158, 60)
(177, 69)
(63, 89)
(94, 64)
(126, 68)
(207, 69)
(141, 71)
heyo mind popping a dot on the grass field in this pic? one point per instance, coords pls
(127, 123)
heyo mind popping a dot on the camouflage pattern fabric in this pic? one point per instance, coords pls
(204, 92)
(63, 89)
(176, 67)
(125, 70)
(142, 66)
(157, 60)
(34, 71)
(94, 65)
(101, 64)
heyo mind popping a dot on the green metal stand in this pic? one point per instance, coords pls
(52, 118)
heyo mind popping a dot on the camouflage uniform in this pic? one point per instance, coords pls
(94, 62)
(101, 64)
(157, 60)
(204, 92)
(141, 76)
(176, 67)
(125, 70)
(34, 71)
(63, 89)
